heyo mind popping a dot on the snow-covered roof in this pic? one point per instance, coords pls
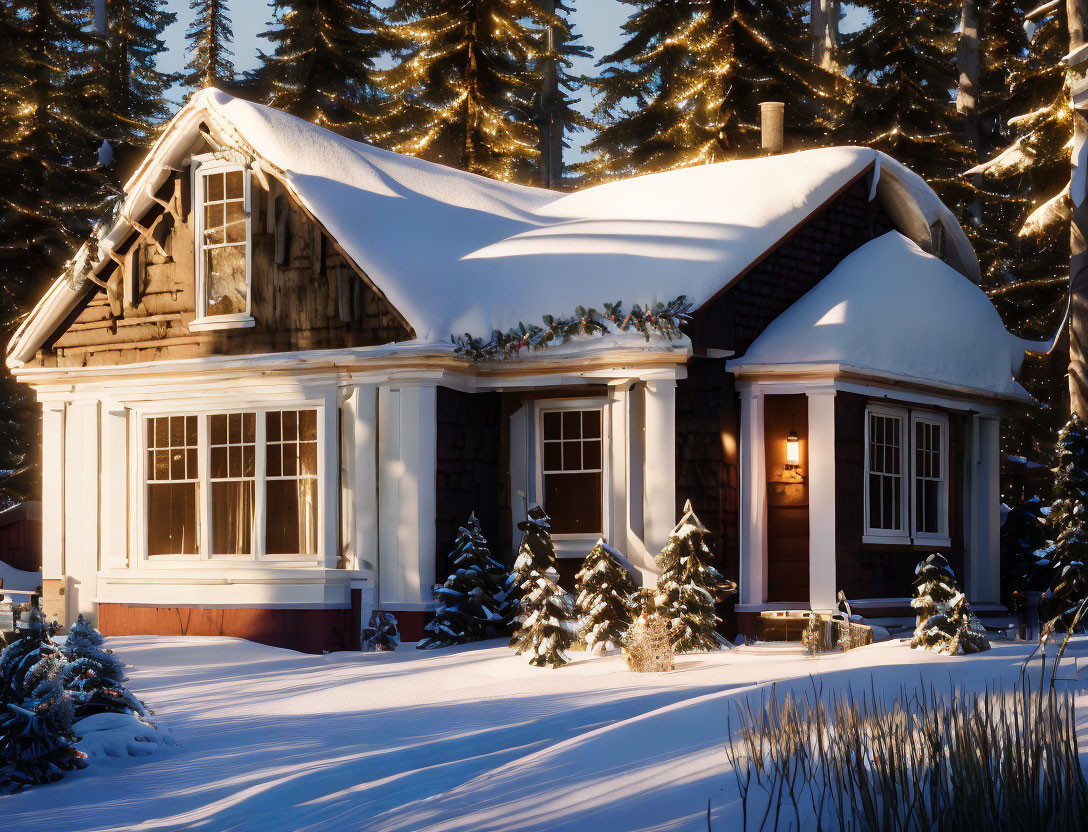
(455, 252)
(891, 310)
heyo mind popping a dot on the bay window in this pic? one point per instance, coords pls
(906, 476)
(236, 486)
(222, 245)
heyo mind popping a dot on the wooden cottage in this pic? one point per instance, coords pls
(256, 423)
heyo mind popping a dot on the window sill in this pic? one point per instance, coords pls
(886, 540)
(212, 322)
(935, 540)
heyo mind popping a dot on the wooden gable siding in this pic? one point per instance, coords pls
(707, 404)
(315, 299)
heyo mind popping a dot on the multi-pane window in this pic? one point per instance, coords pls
(211, 478)
(885, 472)
(224, 234)
(292, 482)
(906, 474)
(173, 486)
(232, 441)
(573, 471)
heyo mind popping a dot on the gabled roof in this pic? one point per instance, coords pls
(891, 311)
(454, 252)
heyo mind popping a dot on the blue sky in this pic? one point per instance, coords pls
(598, 21)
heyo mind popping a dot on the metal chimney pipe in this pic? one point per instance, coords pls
(772, 126)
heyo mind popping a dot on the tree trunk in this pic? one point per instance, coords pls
(550, 123)
(967, 67)
(824, 32)
(1077, 12)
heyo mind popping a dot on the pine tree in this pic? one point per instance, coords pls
(545, 622)
(1023, 539)
(470, 608)
(606, 599)
(36, 742)
(130, 93)
(322, 67)
(689, 587)
(903, 65)
(1068, 554)
(685, 87)
(463, 87)
(945, 621)
(210, 37)
(95, 676)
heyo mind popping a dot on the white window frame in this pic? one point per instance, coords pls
(908, 535)
(575, 545)
(205, 556)
(203, 165)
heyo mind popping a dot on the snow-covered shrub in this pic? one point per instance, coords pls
(36, 740)
(95, 676)
(545, 623)
(1024, 563)
(381, 634)
(945, 621)
(471, 601)
(605, 598)
(689, 587)
(647, 647)
(924, 762)
(119, 735)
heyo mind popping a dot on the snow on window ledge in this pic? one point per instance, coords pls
(210, 322)
(886, 539)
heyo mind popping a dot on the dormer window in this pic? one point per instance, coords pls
(223, 245)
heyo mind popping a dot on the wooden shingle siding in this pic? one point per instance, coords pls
(313, 300)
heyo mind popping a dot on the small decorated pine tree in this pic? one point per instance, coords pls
(95, 676)
(1068, 554)
(36, 741)
(945, 621)
(381, 635)
(536, 546)
(545, 622)
(689, 587)
(1024, 560)
(470, 601)
(606, 599)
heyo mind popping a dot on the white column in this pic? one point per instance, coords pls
(753, 499)
(659, 471)
(983, 500)
(616, 413)
(328, 486)
(81, 491)
(407, 436)
(360, 478)
(822, 589)
(115, 467)
(53, 491)
(520, 467)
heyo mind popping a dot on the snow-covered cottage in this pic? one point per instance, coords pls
(255, 421)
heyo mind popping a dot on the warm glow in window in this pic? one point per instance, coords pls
(292, 482)
(223, 245)
(172, 486)
(232, 442)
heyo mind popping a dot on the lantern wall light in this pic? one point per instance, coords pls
(793, 451)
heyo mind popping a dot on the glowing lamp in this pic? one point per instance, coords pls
(793, 450)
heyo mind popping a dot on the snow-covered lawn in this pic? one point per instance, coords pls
(466, 738)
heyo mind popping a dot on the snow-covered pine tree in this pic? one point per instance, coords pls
(210, 37)
(685, 87)
(130, 92)
(903, 65)
(1024, 566)
(545, 621)
(19, 657)
(690, 587)
(323, 63)
(945, 621)
(1068, 554)
(95, 676)
(536, 546)
(606, 599)
(471, 605)
(462, 90)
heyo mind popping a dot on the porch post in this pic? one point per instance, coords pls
(659, 514)
(753, 499)
(982, 567)
(53, 435)
(821, 499)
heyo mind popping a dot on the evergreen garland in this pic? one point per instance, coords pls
(606, 599)
(945, 621)
(95, 676)
(545, 622)
(210, 37)
(689, 587)
(470, 601)
(322, 67)
(662, 319)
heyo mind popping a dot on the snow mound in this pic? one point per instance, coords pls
(892, 310)
(120, 735)
(18, 579)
